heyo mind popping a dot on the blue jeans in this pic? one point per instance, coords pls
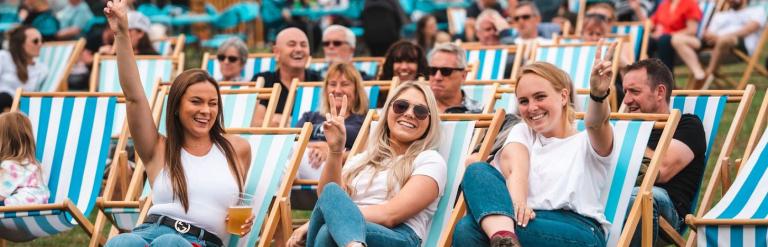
(486, 193)
(662, 205)
(337, 221)
(156, 235)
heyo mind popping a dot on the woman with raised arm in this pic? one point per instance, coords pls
(549, 177)
(387, 195)
(196, 170)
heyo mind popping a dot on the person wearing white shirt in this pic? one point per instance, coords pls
(550, 177)
(18, 68)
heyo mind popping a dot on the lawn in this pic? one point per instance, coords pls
(77, 237)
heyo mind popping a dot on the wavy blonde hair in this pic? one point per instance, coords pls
(348, 71)
(380, 154)
(559, 81)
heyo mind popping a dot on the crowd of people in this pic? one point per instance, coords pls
(541, 185)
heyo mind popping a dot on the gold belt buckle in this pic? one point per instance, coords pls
(181, 227)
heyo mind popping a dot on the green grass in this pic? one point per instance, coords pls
(193, 56)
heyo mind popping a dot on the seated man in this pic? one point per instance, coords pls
(339, 46)
(740, 25)
(448, 70)
(647, 87)
(492, 29)
(527, 20)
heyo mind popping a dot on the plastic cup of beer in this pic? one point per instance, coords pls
(239, 212)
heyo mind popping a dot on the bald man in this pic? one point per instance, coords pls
(291, 50)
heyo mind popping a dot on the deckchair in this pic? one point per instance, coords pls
(72, 132)
(639, 33)
(306, 97)
(709, 106)
(739, 218)
(490, 62)
(369, 65)
(59, 57)
(708, 8)
(257, 63)
(170, 46)
(482, 91)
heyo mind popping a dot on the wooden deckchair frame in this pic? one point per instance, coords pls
(644, 39)
(177, 42)
(516, 50)
(70, 62)
(66, 204)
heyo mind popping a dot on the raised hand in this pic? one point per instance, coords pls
(333, 127)
(116, 12)
(602, 71)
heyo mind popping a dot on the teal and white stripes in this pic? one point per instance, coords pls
(575, 60)
(72, 136)
(125, 218)
(238, 109)
(490, 63)
(55, 56)
(25, 226)
(264, 177)
(707, 10)
(635, 32)
(480, 92)
(747, 198)
(708, 108)
(253, 66)
(163, 47)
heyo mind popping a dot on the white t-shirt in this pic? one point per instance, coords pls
(9, 81)
(730, 21)
(374, 192)
(564, 173)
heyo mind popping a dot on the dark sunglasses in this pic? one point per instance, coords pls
(231, 59)
(524, 17)
(445, 71)
(334, 43)
(400, 106)
(599, 17)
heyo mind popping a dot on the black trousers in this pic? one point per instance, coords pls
(662, 49)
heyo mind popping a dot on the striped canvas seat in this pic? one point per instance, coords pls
(708, 108)
(575, 59)
(72, 135)
(490, 63)
(163, 47)
(308, 97)
(59, 57)
(707, 8)
(637, 35)
(151, 69)
(480, 92)
(745, 200)
(256, 63)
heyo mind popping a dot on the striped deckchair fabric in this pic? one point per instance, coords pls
(708, 108)
(269, 176)
(104, 78)
(306, 97)
(457, 17)
(575, 59)
(482, 91)
(72, 132)
(59, 57)
(707, 8)
(170, 46)
(487, 62)
(257, 63)
(368, 65)
(638, 32)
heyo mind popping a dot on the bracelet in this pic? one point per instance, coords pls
(337, 152)
(600, 99)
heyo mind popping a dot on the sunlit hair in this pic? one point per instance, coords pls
(175, 131)
(17, 142)
(349, 72)
(380, 154)
(559, 81)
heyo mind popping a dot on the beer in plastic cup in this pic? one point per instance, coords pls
(239, 213)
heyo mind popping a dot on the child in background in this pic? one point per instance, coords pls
(21, 177)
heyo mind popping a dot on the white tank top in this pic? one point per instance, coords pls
(210, 186)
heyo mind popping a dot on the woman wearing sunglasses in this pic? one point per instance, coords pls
(547, 182)
(18, 68)
(232, 55)
(387, 195)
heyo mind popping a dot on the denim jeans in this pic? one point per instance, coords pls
(486, 193)
(662, 205)
(337, 221)
(156, 235)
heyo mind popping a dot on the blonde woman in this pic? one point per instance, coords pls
(387, 195)
(550, 176)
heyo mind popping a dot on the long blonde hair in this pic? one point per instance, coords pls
(17, 141)
(348, 71)
(559, 80)
(381, 155)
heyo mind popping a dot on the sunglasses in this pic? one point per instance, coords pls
(334, 43)
(599, 17)
(523, 17)
(231, 59)
(400, 106)
(445, 71)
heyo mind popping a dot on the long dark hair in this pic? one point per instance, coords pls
(176, 137)
(144, 47)
(16, 39)
(404, 51)
(425, 42)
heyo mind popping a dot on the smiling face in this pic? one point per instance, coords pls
(231, 69)
(198, 109)
(339, 86)
(406, 70)
(33, 42)
(639, 96)
(446, 86)
(405, 128)
(540, 105)
(292, 49)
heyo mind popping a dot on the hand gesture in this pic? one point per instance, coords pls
(116, 12)
(298, 237)
(523, 213)
(318, 153)
(602, 71)
(335, 131)
(245, 228)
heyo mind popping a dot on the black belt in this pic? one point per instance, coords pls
(184, 228)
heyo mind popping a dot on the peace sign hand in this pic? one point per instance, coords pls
(602, 71)
(116, 12)
(333, 127)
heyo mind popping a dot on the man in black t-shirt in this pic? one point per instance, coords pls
(647, 87)
(292, 53)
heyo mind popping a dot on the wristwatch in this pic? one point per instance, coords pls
(600, 99)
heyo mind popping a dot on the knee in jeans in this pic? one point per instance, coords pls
(171, 240)
(126, 239)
